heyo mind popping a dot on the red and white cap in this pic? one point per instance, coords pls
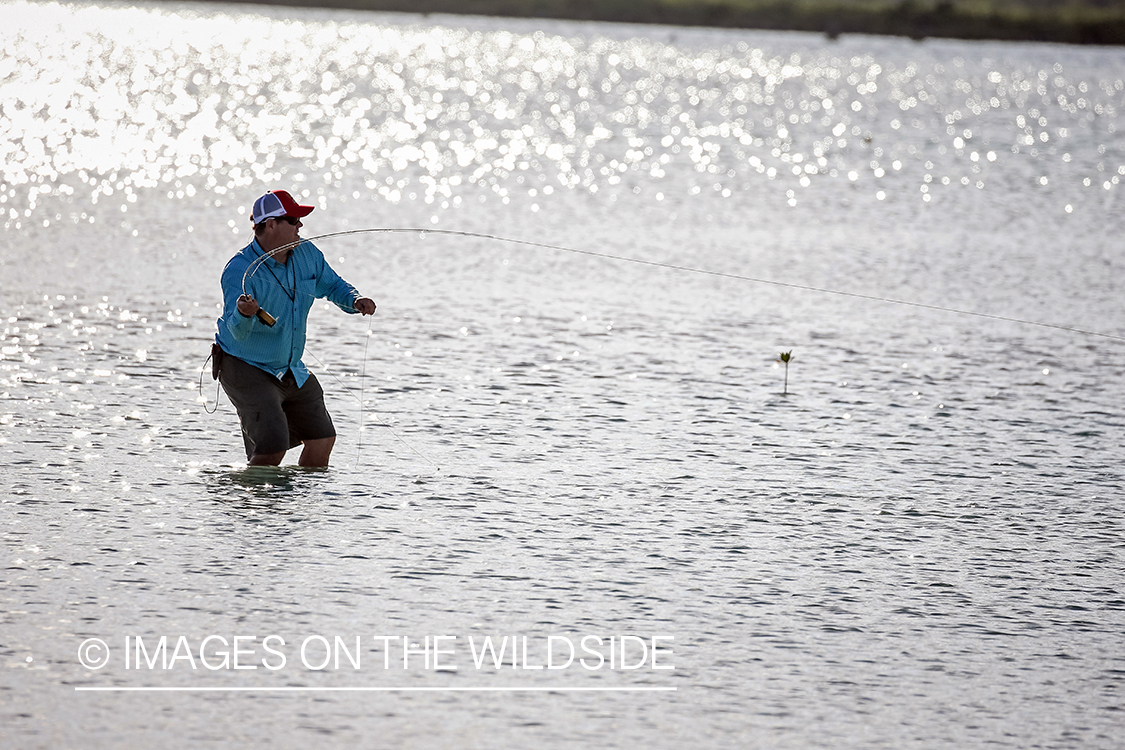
(277, 203)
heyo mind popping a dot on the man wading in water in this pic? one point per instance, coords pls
(280, 404)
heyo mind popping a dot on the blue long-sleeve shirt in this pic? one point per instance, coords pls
(286, 291)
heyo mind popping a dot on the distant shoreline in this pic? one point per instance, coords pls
(1098, 22)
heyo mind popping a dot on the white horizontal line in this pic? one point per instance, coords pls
(245, 689)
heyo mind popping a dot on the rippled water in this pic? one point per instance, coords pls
(919, 545)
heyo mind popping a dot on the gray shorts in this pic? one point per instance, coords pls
(276, 415)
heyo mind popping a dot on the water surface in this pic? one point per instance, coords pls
(919, 545)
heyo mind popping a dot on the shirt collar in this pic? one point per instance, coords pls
(254, 251)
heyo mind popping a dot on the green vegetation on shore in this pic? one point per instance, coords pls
(1068, 21)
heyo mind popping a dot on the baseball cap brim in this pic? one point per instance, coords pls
(292, 208)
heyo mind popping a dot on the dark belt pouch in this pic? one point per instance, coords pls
(217, 355)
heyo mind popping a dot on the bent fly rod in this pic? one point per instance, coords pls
(269, 320)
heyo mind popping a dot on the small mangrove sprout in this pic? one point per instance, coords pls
(785, 357)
